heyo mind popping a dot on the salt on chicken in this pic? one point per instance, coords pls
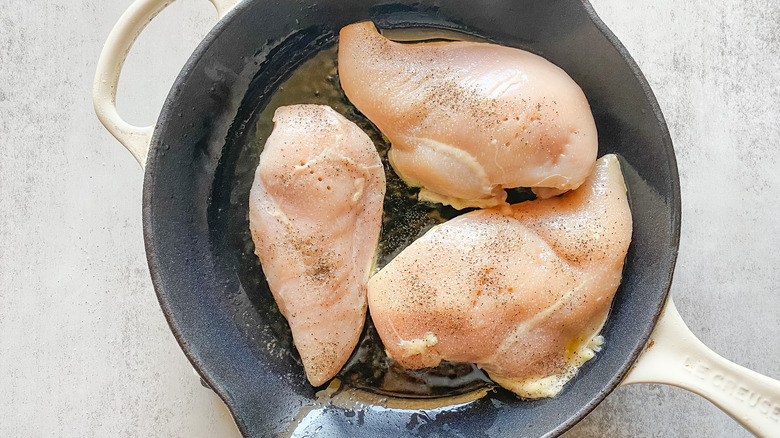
(315, 213)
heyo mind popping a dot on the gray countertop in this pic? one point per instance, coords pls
(84, 347)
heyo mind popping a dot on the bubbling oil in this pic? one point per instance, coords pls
(404, 220)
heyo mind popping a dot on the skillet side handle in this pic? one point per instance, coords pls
(118, 44)
(674, 356)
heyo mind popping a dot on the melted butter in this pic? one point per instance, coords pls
(323, 398)
(578, 351)
(582, 349)
(419, 346)
(459, 203)
(352, 399)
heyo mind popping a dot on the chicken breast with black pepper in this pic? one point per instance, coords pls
(315, 212)
(467, 120)
(521, 291)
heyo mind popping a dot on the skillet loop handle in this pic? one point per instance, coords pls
(674, 356)
(135, 138)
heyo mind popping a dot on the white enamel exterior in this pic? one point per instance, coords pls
(135, 138)
(674, 356)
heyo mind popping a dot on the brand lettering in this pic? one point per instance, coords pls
(732, 388)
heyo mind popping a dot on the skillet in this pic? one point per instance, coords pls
(213, 295)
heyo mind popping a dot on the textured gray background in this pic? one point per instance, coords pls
(84, 348)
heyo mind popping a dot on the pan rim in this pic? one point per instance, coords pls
(148, 229)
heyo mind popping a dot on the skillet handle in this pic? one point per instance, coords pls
(674, 356)
(135, 138)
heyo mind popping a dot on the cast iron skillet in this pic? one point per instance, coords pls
(194, 205)
(226, 326)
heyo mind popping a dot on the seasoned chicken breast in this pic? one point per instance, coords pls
(467, 119)
(522, 291)
(315, 212)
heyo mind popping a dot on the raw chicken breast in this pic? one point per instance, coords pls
(315, 212)
(522, 291)
(467, 119)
